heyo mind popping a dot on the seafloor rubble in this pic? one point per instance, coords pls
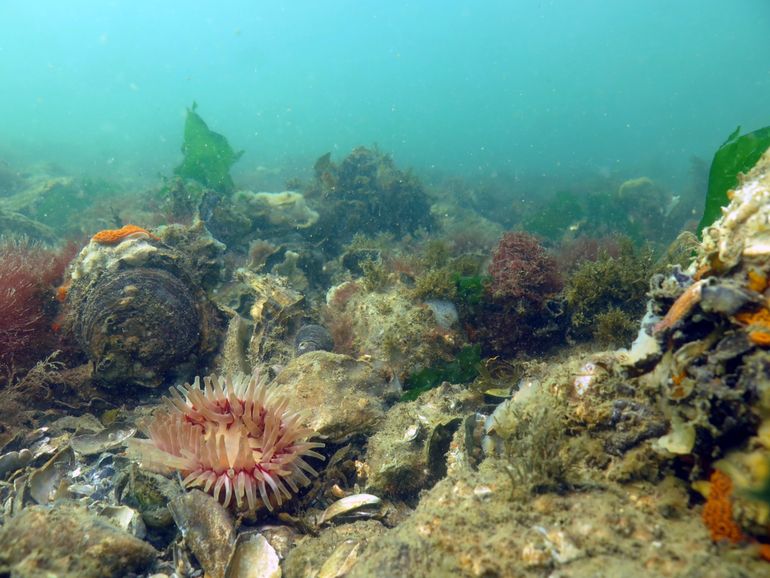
(400, 426)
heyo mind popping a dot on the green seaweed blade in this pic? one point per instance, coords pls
(737, 155)
(207, 155)
(463, 369)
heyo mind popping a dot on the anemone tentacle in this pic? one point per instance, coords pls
(234, 437)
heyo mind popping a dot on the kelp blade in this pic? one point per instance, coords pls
(207, 155)
(737, 155)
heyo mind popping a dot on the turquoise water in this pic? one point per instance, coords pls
(458, 87)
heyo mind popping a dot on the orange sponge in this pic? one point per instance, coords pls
(718, 511)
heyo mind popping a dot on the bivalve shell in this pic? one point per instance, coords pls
(254, 557)
(358, 505)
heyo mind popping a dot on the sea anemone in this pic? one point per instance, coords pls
(234, 438)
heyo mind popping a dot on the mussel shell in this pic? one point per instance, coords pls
(312, 338)
(361, 504)
(725, 297)
(137, 324)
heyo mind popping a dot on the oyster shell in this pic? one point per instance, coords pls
(102, 441)
(137, 324)
(207, 529)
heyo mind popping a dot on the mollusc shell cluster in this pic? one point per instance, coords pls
(136, 312)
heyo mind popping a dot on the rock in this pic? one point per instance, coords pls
(408, 453)
(311, 556)
(147, 492)
(68, 541)
(346, 396)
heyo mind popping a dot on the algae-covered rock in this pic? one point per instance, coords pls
(365, 192)
(390, 326)
(69, 542)
(336, 548)
(470, 525)
(347, 396)
(148, 493)
(408, 453)
(606, 296)
(207, 155)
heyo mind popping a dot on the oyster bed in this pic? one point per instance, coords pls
(573, 464)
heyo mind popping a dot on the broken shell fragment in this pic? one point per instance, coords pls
(679, 441)
(358, 505)
(102, 441)
(46, 482)
(254, 557)
(341, 560)
(207, 528)
(126, 519)
(13, 461)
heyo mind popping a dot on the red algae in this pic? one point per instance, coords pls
(521, 268)
(28, 272)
